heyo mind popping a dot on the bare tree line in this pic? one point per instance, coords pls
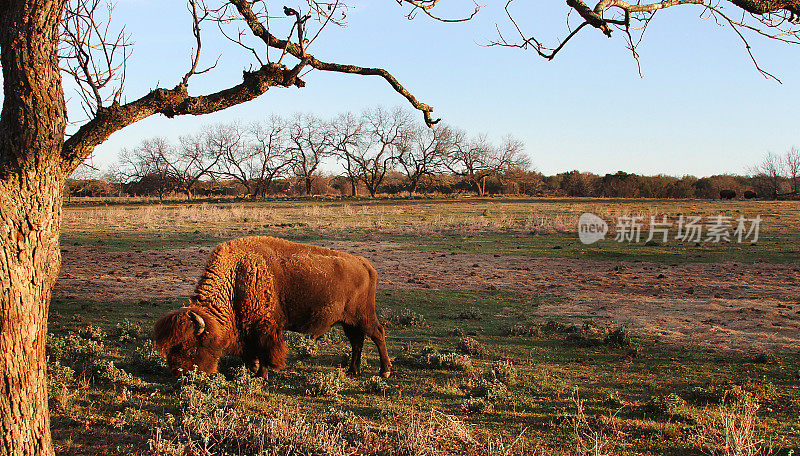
(384, 151)
(366, 146)
(259, 160)
(775, 169)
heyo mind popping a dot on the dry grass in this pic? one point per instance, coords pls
(735, 431)
(589, 441)
(408, 216)
(289, 431)
(390, 219)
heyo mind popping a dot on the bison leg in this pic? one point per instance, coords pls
(252, 365)
(271, 352)
(375, 332)
(262, 371)
(356, 336)
(255, 365)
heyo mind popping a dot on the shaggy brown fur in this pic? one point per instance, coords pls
(255, 288)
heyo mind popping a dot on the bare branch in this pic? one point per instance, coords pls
(640, 8)
(548, 53)
(92, 54)
(297, 51)
(773, 19)
(177, 101)
(171, 103)
(196, 21)
(747, 46)
(239, 41)
(427, 5)
(328, 19)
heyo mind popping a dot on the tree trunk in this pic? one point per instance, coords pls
(412, 187)
(31, 181)
(480, 185)
(29, 235)
(308, 186)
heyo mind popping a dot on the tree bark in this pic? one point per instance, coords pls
(29, 261)
(412, 186)
(480, 185)
(32, 176)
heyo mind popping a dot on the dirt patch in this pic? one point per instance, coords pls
(729, 306)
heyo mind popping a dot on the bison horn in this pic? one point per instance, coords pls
(199, 323)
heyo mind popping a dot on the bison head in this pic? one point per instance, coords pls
(188, 337)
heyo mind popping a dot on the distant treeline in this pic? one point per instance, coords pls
(384, 152)
(573, 183)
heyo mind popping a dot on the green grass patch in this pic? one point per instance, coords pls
(782, 248)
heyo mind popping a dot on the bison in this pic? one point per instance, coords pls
(749, 194)
(254, 288)
(727, 194)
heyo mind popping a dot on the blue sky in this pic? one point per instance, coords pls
(700, 109)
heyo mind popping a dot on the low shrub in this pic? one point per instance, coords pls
(665, 404)
(403, 318)
(618, 337)
(471, 347)
(487, 389)
(324, 384)
(145, 359)
(244, 383)
(557, 327)
(127, 332)
(199, 394)
(431, 357)
(59, 384)
(334, 336)
(303, 346)
(504, 372)
(736, 431)
(107, 371)
(475, 405)
(765, 358)
(470, 313)
(87, 357)
(135, 419)
(612, 400)
(702, 395)
(377, 384)
(92, 332)
(523, 330)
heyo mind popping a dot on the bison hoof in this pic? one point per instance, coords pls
(386, 374)
(353, 372)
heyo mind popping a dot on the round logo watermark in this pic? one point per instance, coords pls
(591, 228)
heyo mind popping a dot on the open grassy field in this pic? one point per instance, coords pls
(486, 359)
(536, 227)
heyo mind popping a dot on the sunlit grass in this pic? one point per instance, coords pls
(535, 227)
